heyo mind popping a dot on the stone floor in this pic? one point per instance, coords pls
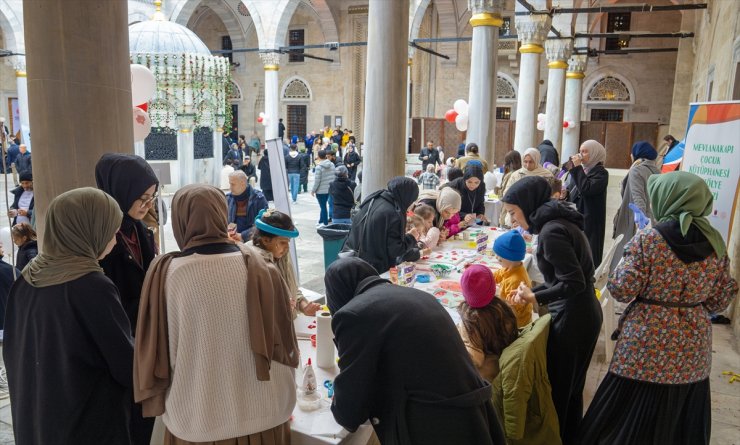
(726, 357)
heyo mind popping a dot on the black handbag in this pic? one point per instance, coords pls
(351, 253)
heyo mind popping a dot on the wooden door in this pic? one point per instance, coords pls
(416, 124)
(645, 131)
(296, 122)
(618, 143)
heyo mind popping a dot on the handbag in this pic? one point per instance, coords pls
(351, 253)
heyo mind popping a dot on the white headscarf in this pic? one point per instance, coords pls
(535, 155)
(597, 153)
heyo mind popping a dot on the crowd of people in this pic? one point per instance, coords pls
(107, 331)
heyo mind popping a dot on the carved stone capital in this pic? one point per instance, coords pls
(577, 64)
(558, 50)
(532, 29)
(271, 61)
(486, 6)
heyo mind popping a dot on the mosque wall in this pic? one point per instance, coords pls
(8, 84)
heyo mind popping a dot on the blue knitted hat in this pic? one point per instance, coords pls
(510, 246)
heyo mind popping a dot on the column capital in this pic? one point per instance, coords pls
(19, 64)
(486, 6)
(531, 31)
(271, 61)
(576, 67)
(558, 51)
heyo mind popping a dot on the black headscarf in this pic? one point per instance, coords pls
(470, 199)
(124, 177)
(342, 278)
(529, 193)
(404, 191)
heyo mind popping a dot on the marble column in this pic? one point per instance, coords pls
(79, 104)
(385, 93)
(573, 91)
(531, 32)
(186, 148)
(558, 52)
(408, 102)
(271, 62)
(22, 86)
(485, 20)
(218, 135)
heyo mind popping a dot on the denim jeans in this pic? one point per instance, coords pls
(323, 215)
(341, 221)
(295, 183)
(331, 207)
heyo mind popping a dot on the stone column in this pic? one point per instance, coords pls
(573, 91)
(558, 52)
(79, 105)
(186, 148)
(218, 135)
(22, 85)
(531, 32)
(271, 62)
(485, 20)
(408, 102)
(385, 93)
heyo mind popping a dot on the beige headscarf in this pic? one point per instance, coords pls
(534, 154)
(448, 198)
(79, 225)
(597, 153)
(199, 214)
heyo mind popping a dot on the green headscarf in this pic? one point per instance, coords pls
(79, 225)
(684, 197)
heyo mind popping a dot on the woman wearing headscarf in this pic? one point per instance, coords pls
(67, 343)
(531, 166)
(265, 176)
(564, 258)
(512, 163)
(634, 191)
(239, 349)
(390, 367)
(446, 202)
(548, 152)
(472, 192)
(378, 234)
(588, 183)
(674, 276)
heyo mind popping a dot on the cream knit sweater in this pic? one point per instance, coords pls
(215, 394)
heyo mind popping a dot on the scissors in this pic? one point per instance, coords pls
(330, 386)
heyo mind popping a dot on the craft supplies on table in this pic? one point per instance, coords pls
(325, 355)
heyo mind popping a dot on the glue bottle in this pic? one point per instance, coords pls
(309, 399)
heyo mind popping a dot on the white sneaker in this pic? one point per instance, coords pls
(319, 225)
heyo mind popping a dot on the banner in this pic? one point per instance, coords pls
(712, 152)
(280, 191)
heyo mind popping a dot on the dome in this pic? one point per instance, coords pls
(164, 37)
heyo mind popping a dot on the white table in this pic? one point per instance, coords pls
(493, 210)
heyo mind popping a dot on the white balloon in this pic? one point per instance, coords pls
(541, 117)
(143, 84)
(461, 107)
(142, 124)
(262, 115)
(541, 126)
(461, 122)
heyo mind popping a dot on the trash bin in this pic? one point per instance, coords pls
(334, 236)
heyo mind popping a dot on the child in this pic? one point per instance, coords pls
(556, 186)
(25, 238)
(510, 249)
(415, 222)
(429, 180)
(272, 233)
(488, 324)
(431, 238)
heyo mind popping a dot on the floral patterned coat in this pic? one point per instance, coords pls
(668, 345)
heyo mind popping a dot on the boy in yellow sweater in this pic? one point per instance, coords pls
(510, 249)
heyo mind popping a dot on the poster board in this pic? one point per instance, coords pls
(280, 190)
(712, 152)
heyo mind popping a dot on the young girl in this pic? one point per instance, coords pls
(25, 238)
(431, 237)
(272, 233)
(488, 325)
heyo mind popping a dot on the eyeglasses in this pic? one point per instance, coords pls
(147, 201)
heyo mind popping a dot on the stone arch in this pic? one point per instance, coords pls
(296, 89)
(235, 92)
(12, 28)
(136, 17)
(279, 32)
(184, 10)
(447, 15)
(609, 88)
(506, 88)
(326, 19)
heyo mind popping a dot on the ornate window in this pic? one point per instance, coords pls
(609, 89)
(296, 89)
(203, 142)
(233, 92)
(505, 89)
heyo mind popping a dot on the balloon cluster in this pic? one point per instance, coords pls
(568, 124)
(263, 119)
(541, 120)
(143, 86)
(458, 114)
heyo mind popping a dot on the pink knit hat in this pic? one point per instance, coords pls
(478, 285)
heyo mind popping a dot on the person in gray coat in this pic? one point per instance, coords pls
(634, 191)
(323, 176)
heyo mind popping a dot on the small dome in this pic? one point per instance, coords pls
(164, 37)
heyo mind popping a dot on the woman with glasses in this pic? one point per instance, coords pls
(132, 183)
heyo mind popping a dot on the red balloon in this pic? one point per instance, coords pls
(143, 106)
(450, 116)
(259, 119)
(566, 124)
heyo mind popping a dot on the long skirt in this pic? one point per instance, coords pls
(626, 411)
(280, 435)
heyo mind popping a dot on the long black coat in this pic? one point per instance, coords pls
(380, 237)
(404, 366)
(564, 258)
(351, 161)
(126, 273)
(26, 253)
(69, 357)
(588, 193)
(305, 166)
